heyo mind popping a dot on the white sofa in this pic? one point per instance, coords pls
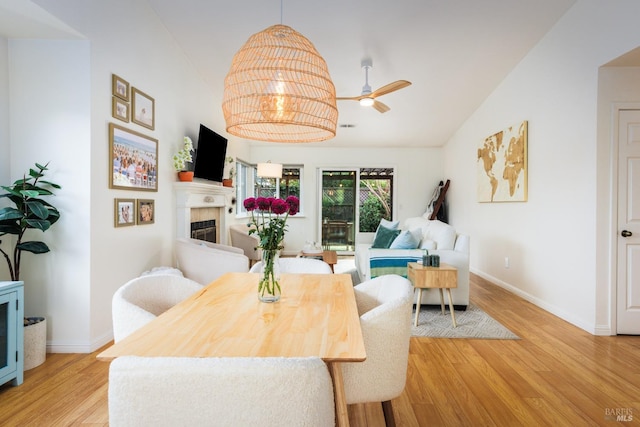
(435, 236)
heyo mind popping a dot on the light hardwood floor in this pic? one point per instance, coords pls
(555, 375)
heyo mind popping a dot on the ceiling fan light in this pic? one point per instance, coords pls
(366, 102)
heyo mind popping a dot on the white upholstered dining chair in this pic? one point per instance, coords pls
(240, 238)
(204, 262)
(142, 299)
(298, 266)
(233, 391)
(385, 306)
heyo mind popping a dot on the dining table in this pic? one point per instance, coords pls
(316, 316)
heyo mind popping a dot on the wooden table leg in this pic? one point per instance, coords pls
(453, 314)
(342, 416)
(441, 300)
(415, 321)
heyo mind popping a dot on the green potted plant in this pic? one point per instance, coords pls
(29, 211)
(181, 158)
(228, 182)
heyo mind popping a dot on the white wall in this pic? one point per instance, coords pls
(4, 133)
(550, 239)
(123, 37)
(418, 172)
(49, 122)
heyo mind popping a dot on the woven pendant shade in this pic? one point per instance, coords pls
(279, 89)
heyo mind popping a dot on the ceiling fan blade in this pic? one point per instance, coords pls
(383, 108)
(391, 87)
(349, 98)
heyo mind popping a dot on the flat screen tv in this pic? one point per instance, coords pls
(211, 152)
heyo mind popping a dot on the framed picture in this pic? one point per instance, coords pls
(124, 212)
(133, 160)
(120, 109)
(120, 87)
(143, 109)
(502, 166)
(146, 211)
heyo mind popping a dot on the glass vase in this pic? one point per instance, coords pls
(269, 284)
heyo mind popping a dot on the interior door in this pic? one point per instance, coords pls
(628, 284)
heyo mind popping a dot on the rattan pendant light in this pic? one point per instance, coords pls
(279, 89)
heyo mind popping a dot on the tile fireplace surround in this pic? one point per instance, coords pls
(202, 201)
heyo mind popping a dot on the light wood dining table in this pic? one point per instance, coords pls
(316, 316)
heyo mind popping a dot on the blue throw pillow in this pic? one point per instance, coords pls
(405, 240)
(391, 225)
(384, 237)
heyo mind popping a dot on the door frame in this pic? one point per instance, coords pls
(616, 107)
(356, 219)
(358, 236)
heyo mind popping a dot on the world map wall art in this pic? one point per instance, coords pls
(502, 166)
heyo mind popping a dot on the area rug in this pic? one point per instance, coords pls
(472, 323)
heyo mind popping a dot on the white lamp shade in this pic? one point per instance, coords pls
(269, 170)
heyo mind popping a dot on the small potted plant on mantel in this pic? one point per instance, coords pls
(30, 211)
(228, 182)
(181, 158)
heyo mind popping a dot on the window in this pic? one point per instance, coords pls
(250, 185)
(290, 184)
(376, 186)
(244, 184)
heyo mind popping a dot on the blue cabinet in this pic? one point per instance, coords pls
(11, 332)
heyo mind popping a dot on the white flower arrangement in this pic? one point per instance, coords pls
(183, 156)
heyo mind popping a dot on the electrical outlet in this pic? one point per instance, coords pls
(506, 262)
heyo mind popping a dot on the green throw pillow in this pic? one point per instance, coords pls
(384, 237)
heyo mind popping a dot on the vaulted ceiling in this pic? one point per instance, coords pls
(455, 52)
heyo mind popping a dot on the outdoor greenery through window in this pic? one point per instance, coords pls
(249, 184)
(376, 186)
(365, 194)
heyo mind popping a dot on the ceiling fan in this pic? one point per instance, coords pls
(367, 97)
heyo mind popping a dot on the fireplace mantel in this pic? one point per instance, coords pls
(196, 195)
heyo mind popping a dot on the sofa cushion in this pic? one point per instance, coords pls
(384, 237)
(416, 223)
(443, 234)
(405, 240)
(391, 225)
(427, 244)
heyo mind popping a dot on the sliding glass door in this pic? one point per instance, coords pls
(352, 202)
(338, 213)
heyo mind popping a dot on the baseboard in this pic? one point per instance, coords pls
(79, 347)
(556, 311)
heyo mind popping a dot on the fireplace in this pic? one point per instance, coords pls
(204, 230)
(201, 210)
